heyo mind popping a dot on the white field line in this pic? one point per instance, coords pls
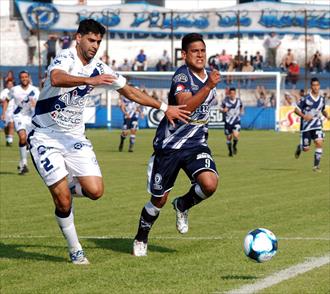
(205, 238)
(282, 275)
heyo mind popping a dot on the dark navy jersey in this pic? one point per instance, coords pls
(233, 115)
(193, 134)
(131, 107)
(315, 107)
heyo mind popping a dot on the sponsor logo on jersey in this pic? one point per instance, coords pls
(179, 88)
(180, 78)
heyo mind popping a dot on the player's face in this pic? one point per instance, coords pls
(195, 57)
(232, 95)
(24, 79)
(315, 88)
(88, 44)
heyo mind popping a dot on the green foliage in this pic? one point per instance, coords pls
(263, 186)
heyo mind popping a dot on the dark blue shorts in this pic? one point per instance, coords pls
(308, 136)
(130, 123)
(164, 167)
(230, 128)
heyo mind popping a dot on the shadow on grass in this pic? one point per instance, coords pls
(238, 277)
(17, 251)
(278, 169)
(8, 173)
(125, 245)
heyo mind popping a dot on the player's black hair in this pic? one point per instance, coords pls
(191, 38)
(232, 89)
(314, 80)
(23, 71)
(90, 26)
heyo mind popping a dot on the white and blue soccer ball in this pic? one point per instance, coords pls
(260, 245)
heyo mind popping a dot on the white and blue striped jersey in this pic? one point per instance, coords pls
(233, 115)
(193, 134)
(313, 106)
(61, 109)
(131, 107)
(23, 98)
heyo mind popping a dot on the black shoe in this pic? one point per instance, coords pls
(23, 170)
(230, 154)
(121, 147)
(297, 153)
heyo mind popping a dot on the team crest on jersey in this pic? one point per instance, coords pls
(158, 180)
(180, 78)
(42, 149)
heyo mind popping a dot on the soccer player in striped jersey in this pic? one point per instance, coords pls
(232, 107)
(131, 111)
(183, 146)
(25, 97)
(61, 153)
(311, 108)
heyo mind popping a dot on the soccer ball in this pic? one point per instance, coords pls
(260, 245)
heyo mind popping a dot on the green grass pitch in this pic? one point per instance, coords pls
(263, 186)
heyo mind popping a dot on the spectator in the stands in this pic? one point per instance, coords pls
(51, 47)
(239, 60)
(231, 68)
(289, 99)
(125, 66)
(257, 61)
(271, 44)
(65, 40)
(224, 60)
(247, 67)
(113, 65)
(9, 77)
(287, 59)
(293, 74)
(105, 58)
(164, 62)
(140, 63)
(327, 65)
(246, 56)
(32, 42)
(261, 97)
(315, 63)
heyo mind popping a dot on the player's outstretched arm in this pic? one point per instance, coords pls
(306, 117)
(171, 112)
(60, 78)
(194, 101)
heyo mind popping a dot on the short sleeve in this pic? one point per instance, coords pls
(63, 61)
(301, 104)
(120, 81)
(180, 83)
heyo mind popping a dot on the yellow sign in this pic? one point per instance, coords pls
(290, 122)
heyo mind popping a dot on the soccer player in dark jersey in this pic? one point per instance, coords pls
(232, 107)
(310, 109)
(131, 111)
(183, 146)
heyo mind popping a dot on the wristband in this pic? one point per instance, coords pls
(163, 107)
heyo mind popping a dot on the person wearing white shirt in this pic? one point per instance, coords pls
(62, 154)
(271, 45)
(7, 112)
(25, 96)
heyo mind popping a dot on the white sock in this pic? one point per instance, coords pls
(22, 152)
(69, 232)
(9, 139)
(152, 209)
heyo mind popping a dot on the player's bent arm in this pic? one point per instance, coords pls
(194, 101)
(305, 117)
(325, 114)
(171, 112)
(60, 78)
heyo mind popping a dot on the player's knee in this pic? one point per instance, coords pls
(159, 201)
(95, 193)
(306, 148)
(209, 187)
(64, 205)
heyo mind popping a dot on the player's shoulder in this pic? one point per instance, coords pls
(69, 53)
(181, 75)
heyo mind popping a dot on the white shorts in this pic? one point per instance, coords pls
(55, 155)
(22, 122)
(9, 116)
